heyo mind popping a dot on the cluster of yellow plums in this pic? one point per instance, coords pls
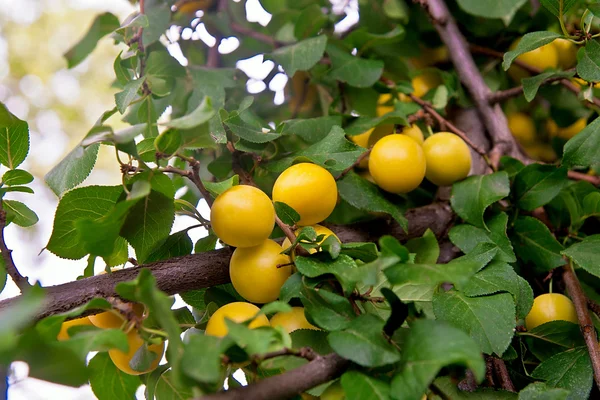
(113, 319)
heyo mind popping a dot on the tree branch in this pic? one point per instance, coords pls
(502, 95)
(284, 386)
(9, 263)
(502, 374)
(492, 115)
(261, 37)
(585, 321)
(197, 271)
(580, 176)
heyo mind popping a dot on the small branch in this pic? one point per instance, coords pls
(595, 307)
(289, 233)
(502, 374)
(354, 164)
(585, 321)
(261, 37)
(11, 268)
(193, 175)
(284, 386)
(304, 352)
(580, 176)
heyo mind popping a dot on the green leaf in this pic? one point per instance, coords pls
(528, 42)
(490, 320)
(571, 370)
(554, 6)
(501, 277)
(583, 150)
(359, 386)
(430, 346)
(588, 66)
(366, 252)
(201, 360)
(16, 177)
(103, 25)
(2, 274)
(206, 243)
(363, 342)
(537, 184)
(504, 10)
(532, 84)
(250, 130)
(363, 40)
(252, 341)
(87, 202)
(19, 213)
(457, 271)
(533, 242)
(541, 391)
(108, 382)
(168, 142)
(159, 18)
(551, 338)
(175, 245)
(471, 197)
(511, 165)
(327, 310)
(312, 130)
(194, 298)
(19, 315)
(198, 116)
(334, 152)
(342, 268)
(291, 288)
(354, 70)
(585, 254)
(14, 143)
(426, 248)
(287, 214)
(149, 222)
(130, 91)
(92, 339)
(364, 195)
(169, 388)
(467, 237)
(73, 169)
(300, 56)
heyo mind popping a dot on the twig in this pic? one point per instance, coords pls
(502, 95)
(502, 374)
(580, 176)
(11, 268)
(303, 352)
(595, 307)
(284, 386)
(585, 321)
(193, 175)
(261, 37)
(355, 163)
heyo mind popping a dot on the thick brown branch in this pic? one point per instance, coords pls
(211, 268)
(595, 307)
(492, 116)
(585, 321)
(579, 176)
(291, 383)
(502, 374)
(9, 263)
(304, 352)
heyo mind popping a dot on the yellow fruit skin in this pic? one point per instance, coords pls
(237, 312)
(382, 107)
(334, 392)
(569, 131)
(190, 7)
(254, 273)
(111, 320)
(550, 307)
(379, 132)
(414, 132)
(64, 334)
(242, 216)
(424, 83)
(309, 189)
(566, 51)
(362, 140)
(397, 164)
(121, 359)
(448, 158)
(292, 320)
(543, 57)
(522, 127)
(321, 230)
(541, 151)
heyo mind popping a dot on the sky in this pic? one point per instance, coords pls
(33, 96)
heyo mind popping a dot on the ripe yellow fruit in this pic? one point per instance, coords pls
(543, 57)
(430, 56)
(191, 6)
(64, 328)
(413, 131)
(254, 273)
(309, 189)
(362, 140)
(122, 359)
(321, 230)
(379, 132)
(242, 216)
(112, 319)
(237, 312)
(522, 127)
(397, 164)
(550, 307)
(291, 321)
(384, 105)
(425, 82)
(448, 158)
(334, 392)
(541, 151)
(566, 51)
(567, 132)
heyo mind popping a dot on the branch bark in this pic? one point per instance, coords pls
(286, 385)
(9, 263)
(197, 271)
(585, 321)
(492, 115)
